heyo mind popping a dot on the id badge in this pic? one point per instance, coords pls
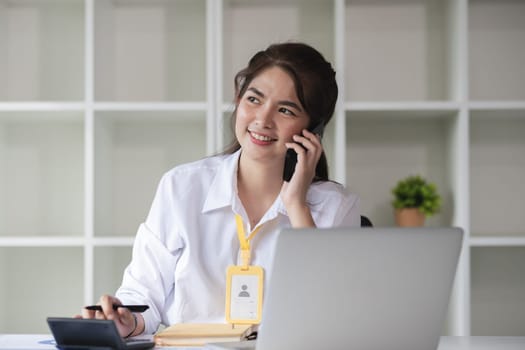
(244, 294)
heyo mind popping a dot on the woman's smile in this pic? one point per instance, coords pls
(261, 139)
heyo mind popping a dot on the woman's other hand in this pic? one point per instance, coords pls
(128, 324)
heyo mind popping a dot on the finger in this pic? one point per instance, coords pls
(309, 140)
(315, 139)
(99, 315)
(126, 321)
(313, 148)
(88, 313)
(107, 301)
(311, 135)
(296, 147)
(125, 316)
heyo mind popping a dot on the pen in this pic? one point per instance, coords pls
(132, 308)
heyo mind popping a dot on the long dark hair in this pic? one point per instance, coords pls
(314, 80)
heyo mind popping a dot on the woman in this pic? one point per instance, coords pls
(183, 249)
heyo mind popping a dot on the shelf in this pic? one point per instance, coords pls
(497, 106)
(496, 50)
(498, 241)
(42, 50)
(497, 167)
(115, 241)
(40, 106)
(404, 111)
(250, 26)
(41, 183)
(29, 293)
(149, 106)
(498, 291)
(143, 51)
(399, 50)
(37, 241)
(132, 152)
(419, 108)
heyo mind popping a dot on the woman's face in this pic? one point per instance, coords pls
(268, 115)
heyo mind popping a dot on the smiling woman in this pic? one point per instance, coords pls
(314, 87)
(185, 253)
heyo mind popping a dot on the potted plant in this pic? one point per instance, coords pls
(414, 200)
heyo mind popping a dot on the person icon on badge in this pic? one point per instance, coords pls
(244, 293)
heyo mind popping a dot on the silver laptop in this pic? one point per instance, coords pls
(358, 288)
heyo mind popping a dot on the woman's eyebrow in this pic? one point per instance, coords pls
(256, 91)
(291, 104)
(283, 102)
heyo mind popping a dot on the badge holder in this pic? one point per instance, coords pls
(244, 294)
(244, 285)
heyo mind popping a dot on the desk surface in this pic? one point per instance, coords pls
(45, 342)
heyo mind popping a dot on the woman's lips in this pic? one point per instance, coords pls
(260, 139)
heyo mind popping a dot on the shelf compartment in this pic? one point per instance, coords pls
(132, 151)
(400, 50)
(498, 291)
(42, 281)
(497, 170)
(42, 55)
(110, 263)
(42, 177)
(250, 26)
(383, 147)
(143, 51)
(496, 50)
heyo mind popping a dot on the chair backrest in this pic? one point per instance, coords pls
(365, 222)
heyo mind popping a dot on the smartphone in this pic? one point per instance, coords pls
(290, 159)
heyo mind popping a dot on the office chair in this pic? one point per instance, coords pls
(365, 222)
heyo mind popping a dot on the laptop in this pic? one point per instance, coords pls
(358, 288)
(74, 333)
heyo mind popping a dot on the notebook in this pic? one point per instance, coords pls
(358, 288)
(198, 334)
(74, 333)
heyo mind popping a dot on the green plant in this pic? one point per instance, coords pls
(416, 192)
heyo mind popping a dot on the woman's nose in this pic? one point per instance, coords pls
(264, 117)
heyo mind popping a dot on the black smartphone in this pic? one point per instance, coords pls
(290, 159)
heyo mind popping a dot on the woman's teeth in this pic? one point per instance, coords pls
(261, 137)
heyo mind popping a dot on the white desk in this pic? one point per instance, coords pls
(482, 343)
(43, 342)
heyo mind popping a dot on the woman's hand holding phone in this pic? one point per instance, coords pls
(293, 193)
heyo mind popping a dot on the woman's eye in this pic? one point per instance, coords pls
(286, 111)
(252, 99)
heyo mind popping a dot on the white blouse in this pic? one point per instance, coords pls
(182, 250)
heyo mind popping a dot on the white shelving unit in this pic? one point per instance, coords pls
(98, 98)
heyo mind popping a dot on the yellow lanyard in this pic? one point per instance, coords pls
(244, 242)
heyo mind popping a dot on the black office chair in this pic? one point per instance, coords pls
(365, 222)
